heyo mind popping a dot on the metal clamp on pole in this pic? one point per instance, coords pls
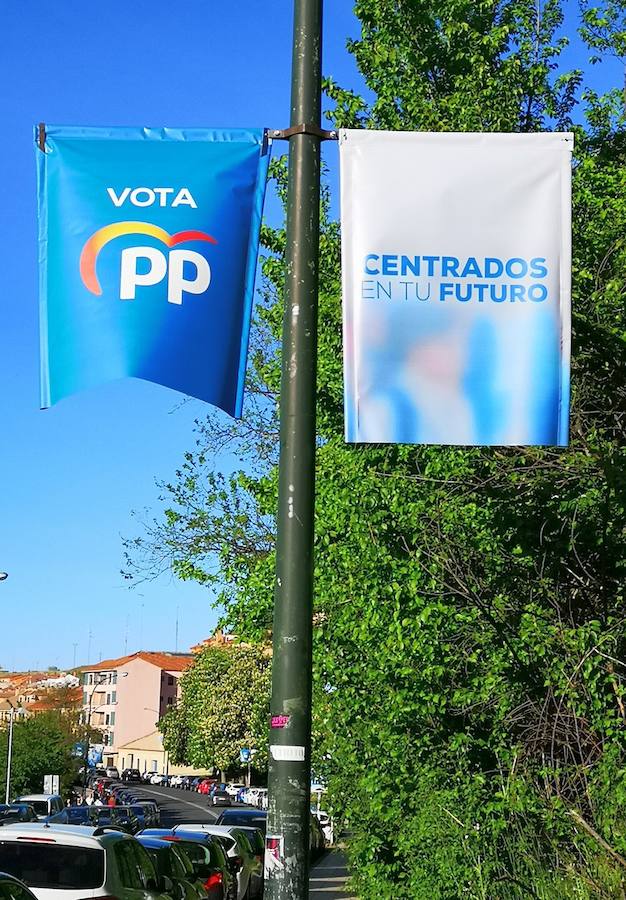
(42, 137)
(312, 129)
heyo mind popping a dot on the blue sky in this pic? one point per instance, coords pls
(70, 476)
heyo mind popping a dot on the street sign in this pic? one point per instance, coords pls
(245, 755)
(51, 784)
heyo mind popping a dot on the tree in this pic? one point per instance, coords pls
(470, 649)
(42, 746)
(224, 706)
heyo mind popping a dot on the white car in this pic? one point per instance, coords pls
(73, 862)
(157, 779)
(176, 780)
(44, 804)
(233, 789)
(250, 795)
(248, 866)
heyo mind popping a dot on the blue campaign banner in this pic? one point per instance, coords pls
(148, 242)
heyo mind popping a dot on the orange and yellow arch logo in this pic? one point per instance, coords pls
(89, 254)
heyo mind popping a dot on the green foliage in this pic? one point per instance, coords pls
(470, 651)
(41, 746)
(224, 706)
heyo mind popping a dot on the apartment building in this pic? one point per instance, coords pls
(124, 698)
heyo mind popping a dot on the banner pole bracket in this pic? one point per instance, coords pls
(314, 130)
(42, 137)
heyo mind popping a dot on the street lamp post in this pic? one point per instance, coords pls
(9, 754)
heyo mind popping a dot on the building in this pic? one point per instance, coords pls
(148, 755)
(32, 693)
(124, 698)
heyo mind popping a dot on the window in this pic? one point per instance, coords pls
(130, 874)
(170, 700)
(145, 866)
(111, 741)
(154, 765)
(170, 679)
(106, 719)
(114, 678)
(112, 719)
(51, 865)
(108, 701)
(113, 696)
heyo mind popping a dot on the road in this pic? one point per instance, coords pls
(328, 875)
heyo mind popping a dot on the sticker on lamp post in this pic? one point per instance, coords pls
(274, 854)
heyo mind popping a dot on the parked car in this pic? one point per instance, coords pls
(220, 798)
(152, 812)
(17, 812)
(233, 789)
(112, 772)
(44, 804)
(256, 840)
(170, 862)
(131, 776)
(252, 818)
(156, 778)
(257, 818)
(147, 776)
(68, 862)
(13, 889)
(238, 851)
(120, 817)
(208, 855)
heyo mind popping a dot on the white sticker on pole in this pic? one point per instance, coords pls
(287, 753)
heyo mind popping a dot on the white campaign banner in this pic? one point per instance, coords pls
(456, 254)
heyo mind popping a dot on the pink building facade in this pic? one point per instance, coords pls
(125, 698)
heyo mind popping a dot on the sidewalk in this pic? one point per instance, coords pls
(328, 878)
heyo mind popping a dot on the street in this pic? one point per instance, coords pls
(328, 875)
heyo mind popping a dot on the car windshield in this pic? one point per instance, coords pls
(74, 815)
(40, 807)
(53, 865)
(236, 818)
(199, 854)
(183, 862)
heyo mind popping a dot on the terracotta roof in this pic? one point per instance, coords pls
(170, 662)
(38, 706)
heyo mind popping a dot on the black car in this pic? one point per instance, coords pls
(173, 864)
(220, 798)
(252, 818)
(132, 776)
(208, 858)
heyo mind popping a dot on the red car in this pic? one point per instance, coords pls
(205, 785)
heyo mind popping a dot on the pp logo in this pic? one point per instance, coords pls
(160, 265)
